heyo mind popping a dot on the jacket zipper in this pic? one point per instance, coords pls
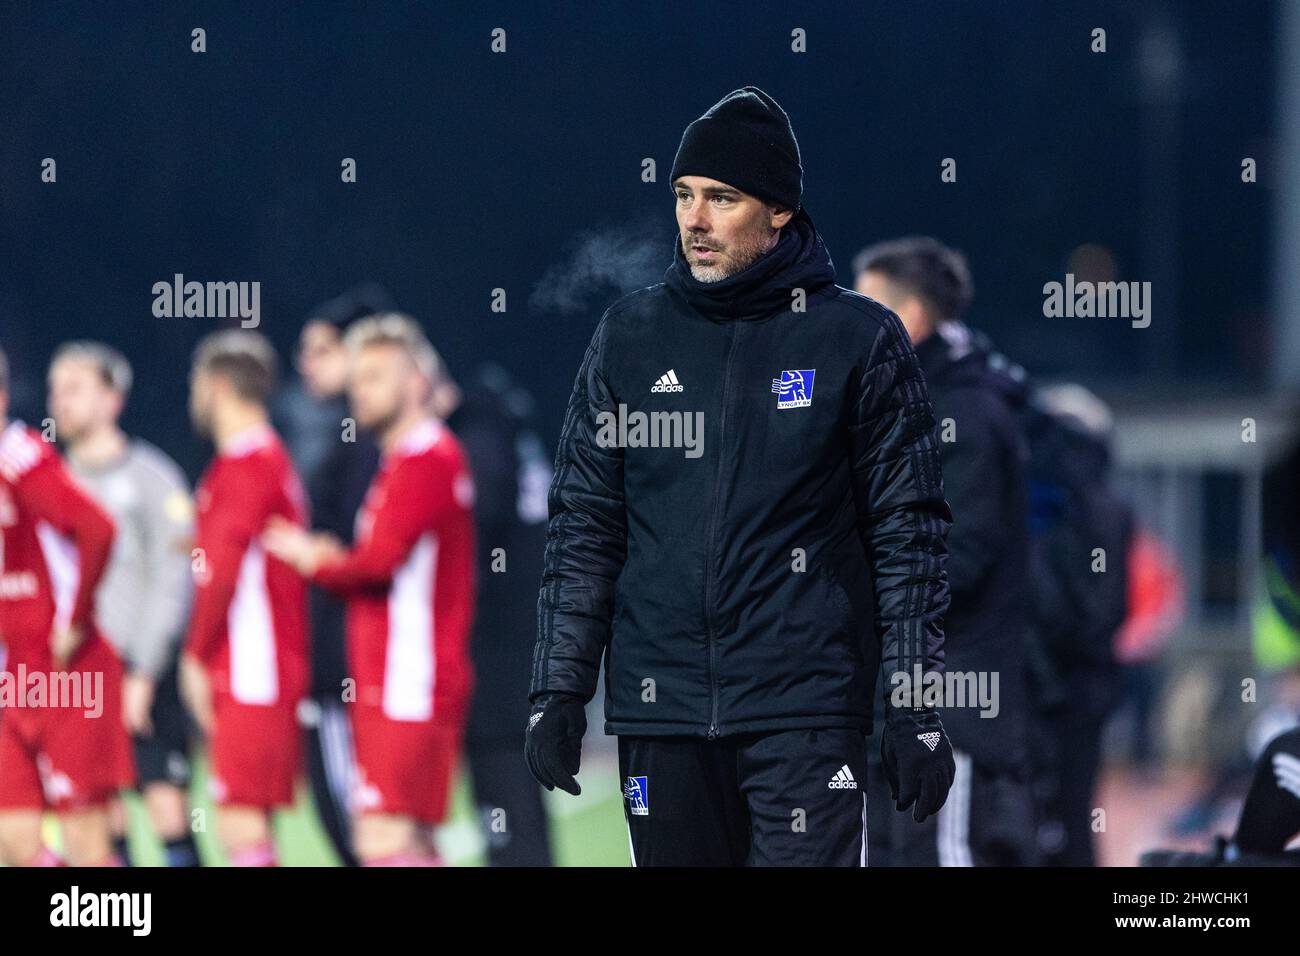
(713, 524)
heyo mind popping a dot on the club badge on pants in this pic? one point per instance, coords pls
(637, 795)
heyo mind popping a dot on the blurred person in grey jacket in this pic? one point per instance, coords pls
(144, 599)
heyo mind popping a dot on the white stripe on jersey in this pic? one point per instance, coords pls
(409, 666)
(64, 566)
(254, 676)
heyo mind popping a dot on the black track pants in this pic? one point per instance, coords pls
(785, 798)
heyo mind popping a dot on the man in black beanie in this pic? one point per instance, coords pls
(742, 145)
(747, 522)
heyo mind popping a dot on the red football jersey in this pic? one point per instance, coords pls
(410, 581)
(54, 545)
(249, 623)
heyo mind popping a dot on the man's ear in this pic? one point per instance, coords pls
(779, 217)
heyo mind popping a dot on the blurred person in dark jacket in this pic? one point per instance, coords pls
(1083, 547)
(512, 472)
(988, 819)
(1082, 539)
(337, 462)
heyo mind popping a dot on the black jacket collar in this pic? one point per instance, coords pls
(798, 261)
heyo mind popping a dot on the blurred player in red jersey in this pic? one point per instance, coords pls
(64, 749)
(409, 584)
(245, 664)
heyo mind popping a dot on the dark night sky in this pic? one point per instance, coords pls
(479, 171)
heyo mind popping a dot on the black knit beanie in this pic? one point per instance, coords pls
(744, 140)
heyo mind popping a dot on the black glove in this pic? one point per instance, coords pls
(917, 760)
(553, 741)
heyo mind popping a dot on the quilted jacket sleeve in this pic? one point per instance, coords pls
(586, 542)
(903, 519)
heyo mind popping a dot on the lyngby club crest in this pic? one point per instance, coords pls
(637, 795)
(794, 388)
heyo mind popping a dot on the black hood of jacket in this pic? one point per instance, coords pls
(799, 260)
(1008, 376)
(1073, 456)
(1063, 450)
(957, 356)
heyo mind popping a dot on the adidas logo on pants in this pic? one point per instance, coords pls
(843, 780)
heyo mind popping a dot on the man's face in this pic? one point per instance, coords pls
(201, 388)
(322, 360)
(903, 303)
(384, 383)
(79, 399)
(722, 229)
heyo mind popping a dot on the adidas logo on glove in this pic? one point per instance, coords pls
(931, 739)
(668, 383)
(843, 780)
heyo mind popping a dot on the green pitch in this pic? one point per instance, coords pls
(585, 831)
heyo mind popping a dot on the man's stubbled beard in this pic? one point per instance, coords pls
(742, 254)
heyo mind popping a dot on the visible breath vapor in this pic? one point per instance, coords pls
(603, 263)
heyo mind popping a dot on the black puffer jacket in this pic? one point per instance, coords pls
(818, 453)
(978, 399)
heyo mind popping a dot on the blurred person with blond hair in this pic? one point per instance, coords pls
(409, 584)
(337, 462)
